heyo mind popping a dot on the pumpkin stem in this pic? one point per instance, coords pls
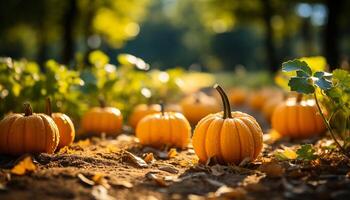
(48, 107)
(102, 102)
(27, 109)
(162, 110)
(225, 101)
(299, 97)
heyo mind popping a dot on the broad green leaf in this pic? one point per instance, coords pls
(285, 154)
(296, 65)
(301, 85)
(306, 152)
(323, 83)
(316, 63)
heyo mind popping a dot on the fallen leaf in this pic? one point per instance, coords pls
(136, 160)
(24, 166)
(172, 153)
(272, 169)
(217, 170)
(110, 148)
(149, 158)
(101, 193)
(271, 137)
(85, 180)
(169, 168)
(84, 143)
(231, 193)
(125, 184)
(285, 154)
(159, 180)
(100, 179)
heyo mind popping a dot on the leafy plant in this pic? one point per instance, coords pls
(333, 88)
(306, 152)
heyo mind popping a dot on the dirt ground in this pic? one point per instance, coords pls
(100, 168)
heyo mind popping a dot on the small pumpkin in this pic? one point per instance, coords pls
(270, 106)
(164, 128)
(199, 105)
(258, 98)
(102, 119)
(237, 96)
(64, 124)
(141, 111)
(28, 133)
(297, 118)
(227, 136)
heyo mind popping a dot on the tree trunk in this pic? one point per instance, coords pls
(68, 32)
(269, 44)
(331, 37)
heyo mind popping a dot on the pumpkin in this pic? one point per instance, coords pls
(199, 105)
(237, 96)
(270, 106)
(164, 128)
(28, 133)
(258, 98)
(228, 137)
(102, 119)
(141, 111)
(64, 124)
(297, 118)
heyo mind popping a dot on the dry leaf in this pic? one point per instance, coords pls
(136, 160)
(101, 193)
(231, 193)
(110, 148)
(217, 170)
(272, 169)
(99, 179)
(159, 180)
(84, 143)
(24, 166)
(271, 137)
(169, 168)
(125, 184)
(149, 158)
(285, 154)
(172, 153)
(85, 180)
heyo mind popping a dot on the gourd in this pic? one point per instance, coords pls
(270, 106)
(64, 124)
(297, 118)
(28, 133)
(199, 105)
(237, 96)
(102, 120)
(140, 111)
(164, 128)
(227, 137)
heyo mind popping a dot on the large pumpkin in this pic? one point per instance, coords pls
(28, 133)
(140, 111)
(64, 124)
(164, 128)
(102, 120)
(228, 137)
(199, 105)
(297, 118)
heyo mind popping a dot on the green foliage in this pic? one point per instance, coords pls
(306, 152)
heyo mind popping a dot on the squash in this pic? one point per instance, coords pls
(237, 96)
(199, 105)
(64, 124)
(227, 137)
(102, 120)
(270, 106)
(297, 118)
(257, 99)
(141, 111)
(28, 133)
(164, 128)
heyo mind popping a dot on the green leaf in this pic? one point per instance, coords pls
(306, 152)
(323, 83)
(301, 85)
(296, 65)
(320, 74)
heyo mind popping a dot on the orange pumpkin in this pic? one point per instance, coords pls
(237, 96)
(28, 133)
(199, 105)
(140, 111)
(64, 124)
(102, 120)
(164, 128)
(258, 98)
(297, 118)
(229, 137)
(270, 106)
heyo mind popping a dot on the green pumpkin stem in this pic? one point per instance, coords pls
(48, 108)
(225, 101)
(28, 111)
(299, 97)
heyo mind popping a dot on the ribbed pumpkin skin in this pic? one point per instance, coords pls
(65, 127)
(297, 120)
(141, 111)
(21, 134)
(159, 129)
(194, 110)
(229, 140)
(97, 120)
